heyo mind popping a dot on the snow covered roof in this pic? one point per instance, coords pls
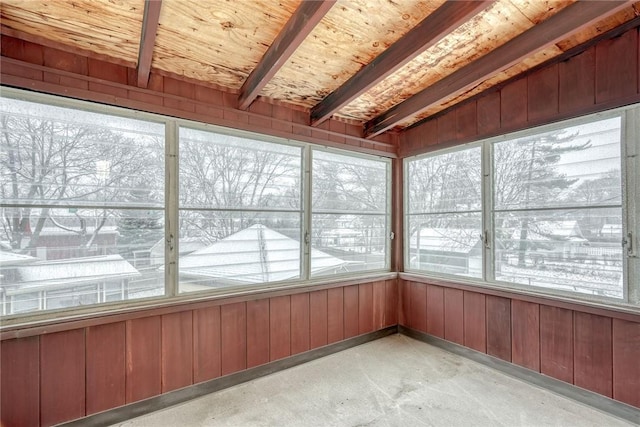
(458, 240)
(10, 259)
(552, 230)
(43, 275)
(185, 246)
(57, 231)
(256, 254)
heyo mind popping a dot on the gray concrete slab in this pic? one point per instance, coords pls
(394, 381)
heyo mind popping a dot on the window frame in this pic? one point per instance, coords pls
(630, 209)
(171, 210)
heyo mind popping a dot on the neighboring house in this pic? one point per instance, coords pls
(447, 250)
(37, 285)
(557, 240)
(58, 243)
(254, 255)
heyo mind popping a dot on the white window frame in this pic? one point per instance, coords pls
(630, 186)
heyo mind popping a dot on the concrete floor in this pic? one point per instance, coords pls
(394, 381)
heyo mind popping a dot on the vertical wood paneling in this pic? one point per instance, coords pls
(318, 318)
(62, 376)
(592, 353)
(177, 350)
(577, 81)
(233, 337)
(20, 379)
(435, 311)
(143, 358)
(335, 313)
(626, 362)
(616, 67)
(466, 120)
(206, 344)
(257, 332)
(404, 305)
(454, 315)
(391, 303)
(499, 327)
(379, 295)
(556, 343)
(543, 94)
(365, 308)
(475, 326)
(280, 327)
(350, 311)
(447, 127)
(106, 368)
(418, 306)
(525, 334)
(513, 104)
(488, 111)
(300, 329)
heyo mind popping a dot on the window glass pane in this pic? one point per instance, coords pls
(445, 183)
(228, 172)
(562, 249)
(347, 183)
(449, 244)
(574, 166)
(349, 214)
(220, 249)
(82, 203)
(347, 243)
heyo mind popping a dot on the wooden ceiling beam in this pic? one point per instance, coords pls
(295, 31)
(427, 33)
(150, 22)
(558, 27)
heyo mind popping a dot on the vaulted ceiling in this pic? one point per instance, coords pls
(385, 64)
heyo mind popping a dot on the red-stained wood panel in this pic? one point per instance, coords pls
(454, 315)
(638, 77)
(513, 104)
(466, 120)
(592, 353)
(447, 127)
(577, 81)
(556, 343)
(62, 376)
(300, 328)
(257, 332)
(20, 379)
(318, 320)
(108, 71)
(335, 315)
(233, 337)
(379, 296)
(617, 67)
(475, 325)
(525, 334)
(418, 306)
(206, 344)
(435, 311)
(350, 311)
(391, 303)
(143, 358)
(65, 61)
(488, 111)
(177, 350)
(543, 94)
(404, 302)
(106, 368)
(22, 50)
(365, 308)
(280, 327)
(499, 327)
(626, 362)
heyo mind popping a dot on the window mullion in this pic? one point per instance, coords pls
(305, 267)
(488, 233)
(171, 206)
(631, 195)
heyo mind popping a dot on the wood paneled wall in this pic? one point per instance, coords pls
(597, 352)
(604, 76)
(60, 376)
(45, 69)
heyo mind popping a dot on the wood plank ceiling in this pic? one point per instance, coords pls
(385, 64)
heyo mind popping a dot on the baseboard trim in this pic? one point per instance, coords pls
(589, 398)
(136, 409)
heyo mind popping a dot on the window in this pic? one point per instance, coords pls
(350, 214)
(551, 214)
(87, 217)
(81, 194)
